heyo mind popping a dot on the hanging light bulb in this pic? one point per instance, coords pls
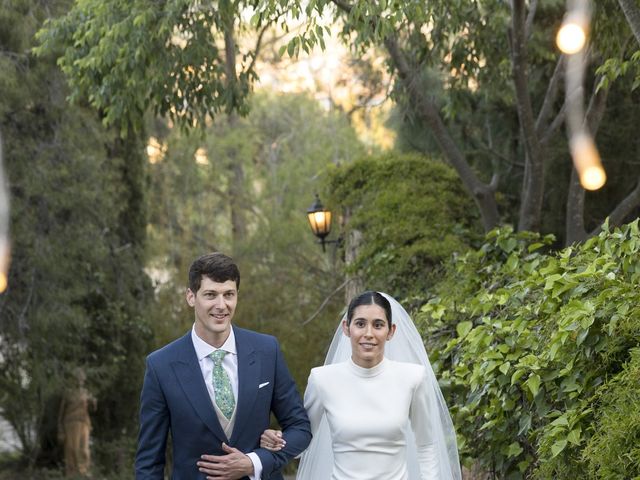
(4, 228)
(572, 36)
(4, 264)
(586, 159)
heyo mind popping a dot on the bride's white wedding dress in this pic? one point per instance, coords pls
(363, 420)
(367, 411)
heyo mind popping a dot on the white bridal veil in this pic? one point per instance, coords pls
(405, 346)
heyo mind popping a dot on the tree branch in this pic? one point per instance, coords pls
(326, 300)
(624, 208)
(531, 206)
(550, 96)
(257, 47)
(530, 17)
(427, 110)
(596, 108)
(632, 14)
(574, 222)
(554, 126)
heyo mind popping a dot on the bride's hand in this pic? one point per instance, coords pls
(272, 440)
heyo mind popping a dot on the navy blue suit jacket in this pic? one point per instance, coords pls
(175, 398)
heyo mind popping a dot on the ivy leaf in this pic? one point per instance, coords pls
(517, 375)
(504, 368)
(514, 450)
(558, 447)
(463, 328)
(574, 436)
(533, 384)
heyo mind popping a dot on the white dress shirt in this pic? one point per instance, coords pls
(230, 365)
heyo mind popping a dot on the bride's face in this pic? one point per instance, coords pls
(369, 331)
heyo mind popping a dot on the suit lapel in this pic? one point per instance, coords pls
(189, 375)
(248, 372)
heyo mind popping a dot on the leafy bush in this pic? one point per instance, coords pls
(526, 341)
(613, 451)
(413, 214)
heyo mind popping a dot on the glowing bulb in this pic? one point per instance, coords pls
(593, 178)
(587, 162)
(4, 264)
(571, 38)
(572, 35)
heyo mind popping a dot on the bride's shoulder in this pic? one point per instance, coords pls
(326, 371)
(408, 369)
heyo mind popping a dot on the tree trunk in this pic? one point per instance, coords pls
(632, 13)
(574, 227)
(352, 244)
(624, 208)
(132, 226)
(236, 201)
(574, 222)
(533, 185)
(236, 167)
(483, 194)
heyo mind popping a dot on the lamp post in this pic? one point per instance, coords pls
(320, 222)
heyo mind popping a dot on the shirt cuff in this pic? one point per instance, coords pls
(257, 466)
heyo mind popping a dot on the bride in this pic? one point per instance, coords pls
(375, 407)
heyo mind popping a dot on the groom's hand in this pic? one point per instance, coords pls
(232, 466)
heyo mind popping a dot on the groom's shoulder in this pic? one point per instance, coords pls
(170, 349)
(258, 339)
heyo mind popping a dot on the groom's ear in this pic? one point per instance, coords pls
(191, 298)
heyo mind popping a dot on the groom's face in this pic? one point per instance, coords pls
(214, 305)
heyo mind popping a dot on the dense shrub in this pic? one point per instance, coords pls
(413, 214)
(532, 346)
(613, 452)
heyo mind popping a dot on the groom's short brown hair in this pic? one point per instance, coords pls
(216, 266)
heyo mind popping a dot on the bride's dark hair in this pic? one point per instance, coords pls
(369, 298)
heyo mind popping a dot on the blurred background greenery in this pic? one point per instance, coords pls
(133, 143)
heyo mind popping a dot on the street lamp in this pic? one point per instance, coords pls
(320, 222)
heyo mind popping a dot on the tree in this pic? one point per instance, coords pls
(496, 59)
(177, 58)
(284, 146)
(505, 76)
(77, 291)
(412, 214)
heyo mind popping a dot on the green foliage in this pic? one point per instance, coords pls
(614, 449)
(77, 292)
(284, 145)
(125, 57)
(524, 340)
(412, 213)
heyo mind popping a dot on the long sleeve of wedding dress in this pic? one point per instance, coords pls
(313, 403)
(421, 417)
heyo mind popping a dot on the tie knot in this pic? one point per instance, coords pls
(217, 356)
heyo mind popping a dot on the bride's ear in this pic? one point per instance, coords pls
(345, 328)
(391, 332)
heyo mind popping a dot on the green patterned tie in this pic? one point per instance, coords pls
(222, 385)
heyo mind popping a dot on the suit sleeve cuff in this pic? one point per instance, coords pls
(257, 466)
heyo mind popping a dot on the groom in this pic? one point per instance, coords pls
(214, 390)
